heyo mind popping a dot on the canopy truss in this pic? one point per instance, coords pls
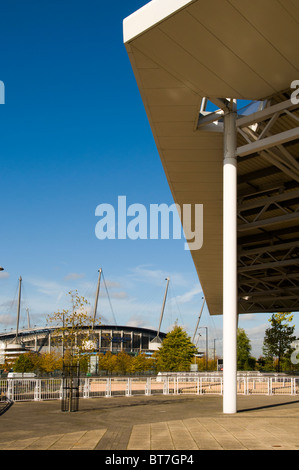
(268, 201)
(268, 207)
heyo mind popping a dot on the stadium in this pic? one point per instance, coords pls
(132, 340)
(104, 338)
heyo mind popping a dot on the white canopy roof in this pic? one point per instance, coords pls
(183, 51)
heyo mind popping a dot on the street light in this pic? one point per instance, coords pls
(215, 339)
(207, 347)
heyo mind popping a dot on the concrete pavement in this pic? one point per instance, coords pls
(154, 423)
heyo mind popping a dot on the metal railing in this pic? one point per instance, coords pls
(5, 404)
(37, 389)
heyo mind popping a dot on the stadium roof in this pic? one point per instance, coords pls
(185, 52)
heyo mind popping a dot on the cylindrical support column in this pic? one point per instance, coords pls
(230, 289)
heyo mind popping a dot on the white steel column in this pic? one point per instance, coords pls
(230, 294)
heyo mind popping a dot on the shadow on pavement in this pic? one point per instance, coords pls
(268, 406)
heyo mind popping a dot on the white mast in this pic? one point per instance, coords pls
(97, 298)
(28, 318)
(163, 306)
(193, 339)
(156, 342)
(19, 307)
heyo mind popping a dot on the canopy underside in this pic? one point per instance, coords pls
(184, 51)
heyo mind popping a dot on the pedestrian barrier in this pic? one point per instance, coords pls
(5, 404)
(38, 389)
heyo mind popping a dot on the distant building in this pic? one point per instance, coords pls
(10, 352)
(107, 338)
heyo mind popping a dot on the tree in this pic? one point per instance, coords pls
(176, 352)
(278, 338)
(49, 362)
(244, 360)
(26, 363)
(122, 363)
(141, 363)
(74, 329)
(107, 362)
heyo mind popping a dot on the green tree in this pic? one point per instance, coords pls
(244, 359)
(176, 352)
(73, 328)
(141, 363)
(278, 338)
(107, 362)
(49, 362)
(122, 363)
(25, 363)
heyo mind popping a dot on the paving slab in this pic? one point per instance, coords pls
(153, 423)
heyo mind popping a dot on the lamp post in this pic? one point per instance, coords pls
(207, 347)
(215, 339)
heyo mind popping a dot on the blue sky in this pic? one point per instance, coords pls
(73, 135)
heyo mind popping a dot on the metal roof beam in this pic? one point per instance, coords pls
(285, 166)
(270, 221)
(222, 103)
(275, 278)
(268, 237)
(275, 292)
(268, 142)
(262, 190)
(258, 174)
(277, 247)
(271, 265)
(266, 201)
(266, 113)
(269, 298)
(265, 310)
(208, 118)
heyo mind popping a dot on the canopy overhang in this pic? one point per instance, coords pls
(186, 51)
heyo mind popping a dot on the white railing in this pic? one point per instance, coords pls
(35, 389)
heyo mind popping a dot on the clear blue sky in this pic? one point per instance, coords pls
(73, 135)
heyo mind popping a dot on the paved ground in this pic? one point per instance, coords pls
(154, 423)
